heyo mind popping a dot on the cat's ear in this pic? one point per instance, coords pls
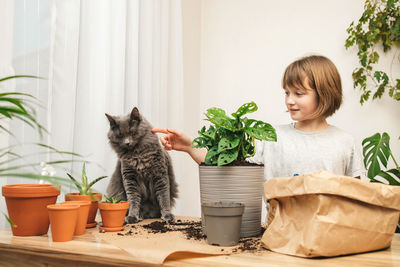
(112, 121)
(135, 115)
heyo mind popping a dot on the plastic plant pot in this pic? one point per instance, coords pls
(222, 222)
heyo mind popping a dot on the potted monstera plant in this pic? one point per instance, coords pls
(225, 174)
(86, 194)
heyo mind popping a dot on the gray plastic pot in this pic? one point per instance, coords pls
(223, 221)
(241, 184)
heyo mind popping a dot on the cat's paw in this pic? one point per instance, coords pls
(132, 219)
(168, 217)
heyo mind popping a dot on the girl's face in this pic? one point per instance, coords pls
(301, 102)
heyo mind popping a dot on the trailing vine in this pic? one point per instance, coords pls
(378, 25)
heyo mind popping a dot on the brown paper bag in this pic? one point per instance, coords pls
(323, 214)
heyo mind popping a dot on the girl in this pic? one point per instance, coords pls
(313, 92)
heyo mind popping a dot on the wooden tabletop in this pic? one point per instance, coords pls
(87, 250)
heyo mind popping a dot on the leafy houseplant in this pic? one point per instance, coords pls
(225, 176)
(232, 139)
(21, 106)
(378, 25)
(84, 187)
(26, 203)
(377, 153)
(85, 193)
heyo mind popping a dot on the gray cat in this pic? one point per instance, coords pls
(144, 174)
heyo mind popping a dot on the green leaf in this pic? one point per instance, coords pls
(12, 224)
(84, 180)
(376, 151)
(227, 157)
(212, 156)
(54, 180)
(210, 133)
(219, 118)
(228, 142)
(244, 109)
(95, 181)
(391, 180)
(19, 76)
(77, 184)
(200, 142)
(379, 92)
(377, 76)
(260, 130)
(248, 148)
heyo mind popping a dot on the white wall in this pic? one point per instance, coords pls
(247, 44)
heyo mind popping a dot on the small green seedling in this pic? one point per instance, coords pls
(12, 224)
(113, 199)
(84, 187)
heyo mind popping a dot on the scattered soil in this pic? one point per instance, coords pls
(192, 230)
(237, 163)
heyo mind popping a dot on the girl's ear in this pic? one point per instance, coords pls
(135, 115)
(112, 121)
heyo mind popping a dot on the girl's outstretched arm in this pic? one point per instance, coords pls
(176, 140)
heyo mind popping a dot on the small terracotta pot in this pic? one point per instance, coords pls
(113, 215)
(62, 221)
(83, 214)
(26, 205)
(93, 198)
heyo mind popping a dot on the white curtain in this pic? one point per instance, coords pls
(107, 57)
(100, 56)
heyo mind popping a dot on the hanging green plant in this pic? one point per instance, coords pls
(378, 26)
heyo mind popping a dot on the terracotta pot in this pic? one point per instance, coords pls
(62, 221)
(83, 213)
(113, 215)
(94, 198)
(26, 205)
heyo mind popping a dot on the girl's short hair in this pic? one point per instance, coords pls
(322, 76)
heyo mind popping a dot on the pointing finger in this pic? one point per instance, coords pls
(159, 130)
(173, 131)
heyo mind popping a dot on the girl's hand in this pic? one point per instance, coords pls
(174, 139)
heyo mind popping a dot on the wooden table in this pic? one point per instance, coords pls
(87, 250)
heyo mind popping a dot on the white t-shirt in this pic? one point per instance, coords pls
(297, 152)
